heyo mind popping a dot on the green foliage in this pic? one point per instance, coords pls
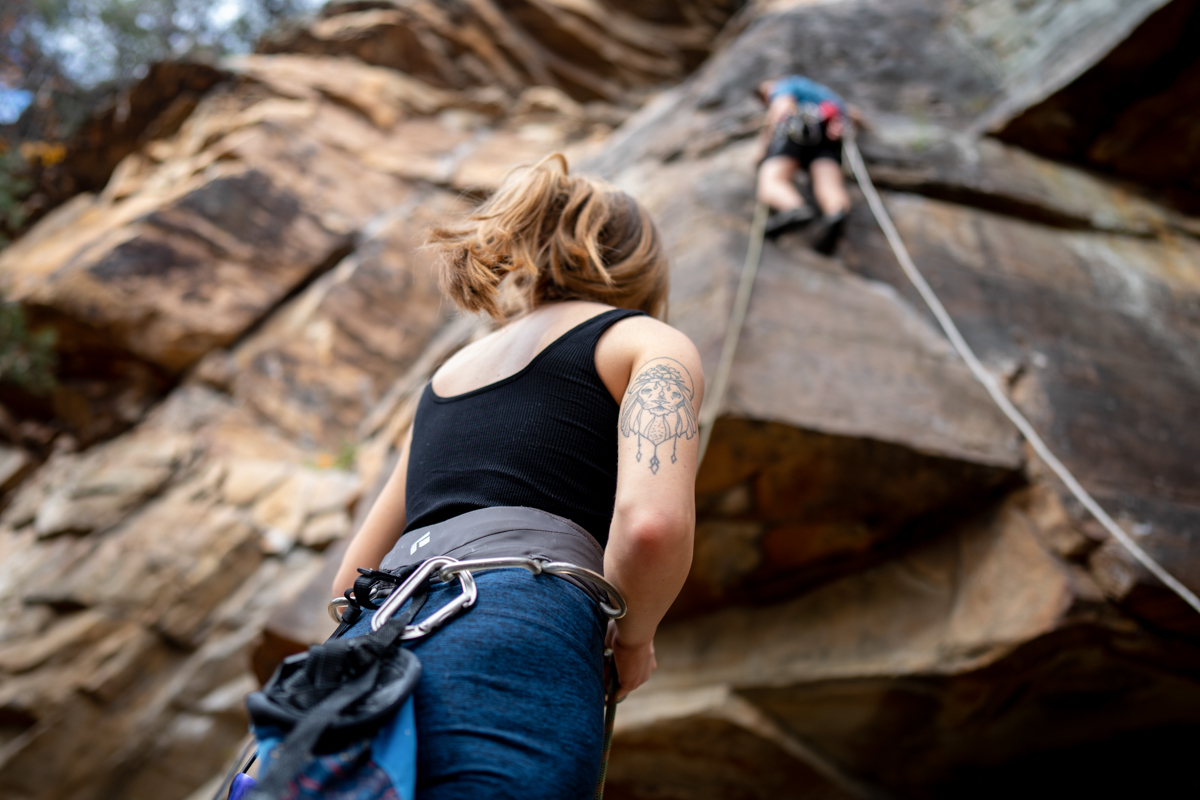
(345, 456)
(72, 57)
(98, 41)
(14, 186)
(27, 358)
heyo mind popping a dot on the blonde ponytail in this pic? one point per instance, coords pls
(546, 236)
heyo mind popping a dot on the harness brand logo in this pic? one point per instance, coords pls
(424, 540)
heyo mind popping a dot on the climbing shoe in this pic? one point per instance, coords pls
(828, 232)
(782, 221)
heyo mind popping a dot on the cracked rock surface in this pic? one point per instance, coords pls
(890, 597)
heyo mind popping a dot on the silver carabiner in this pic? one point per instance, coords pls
(336, 606)
(446, 568)
(406, 589)
(481, 564)
(618, 609)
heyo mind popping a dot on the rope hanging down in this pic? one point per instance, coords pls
(737, 318)
(989, 383)
(733, 331)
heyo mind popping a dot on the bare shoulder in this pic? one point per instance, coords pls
(637, 344)
(635, 332)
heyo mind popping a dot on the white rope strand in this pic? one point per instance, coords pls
(989, 383)
(733, 331)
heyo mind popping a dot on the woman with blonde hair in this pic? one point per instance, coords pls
(567, 434)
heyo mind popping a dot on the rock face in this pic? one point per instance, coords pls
(260, 266)
(151, 109)
(1077, 292)
(599, 49)
(889, 596)
(1134, 113)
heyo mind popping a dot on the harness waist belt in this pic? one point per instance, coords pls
(503, 532)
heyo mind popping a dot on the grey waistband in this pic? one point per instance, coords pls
(505, 531)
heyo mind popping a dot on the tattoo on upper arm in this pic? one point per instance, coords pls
(658, 407)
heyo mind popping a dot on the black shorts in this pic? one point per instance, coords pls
(783, 144)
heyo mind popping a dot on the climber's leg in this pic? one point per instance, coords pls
(777, 189)
(775, 183)
(829, 187)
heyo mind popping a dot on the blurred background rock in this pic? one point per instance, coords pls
(61, 60)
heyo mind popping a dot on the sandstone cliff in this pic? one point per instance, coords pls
(890, 597)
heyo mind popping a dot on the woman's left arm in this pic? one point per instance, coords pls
(649, 547)
(380, 530)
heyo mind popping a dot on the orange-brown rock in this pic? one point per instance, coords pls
(595, 49)
(976, 621)
(324, 360)
(889, 596)
(266, 255)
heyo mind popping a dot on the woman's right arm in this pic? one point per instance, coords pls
(649, 548)
(380, 530)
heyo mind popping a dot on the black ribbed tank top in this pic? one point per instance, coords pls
(544, 437)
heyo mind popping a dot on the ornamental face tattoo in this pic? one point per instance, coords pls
(658, 407)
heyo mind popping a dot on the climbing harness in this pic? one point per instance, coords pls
(446, 568)
(737, 318)
(343, 691)
(807, 126)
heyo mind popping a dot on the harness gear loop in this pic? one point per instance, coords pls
(446, 568)
(804, 127)
(617, 609)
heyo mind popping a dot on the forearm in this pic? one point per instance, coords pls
(763, 142)
(367, 549)
(379, 532)
(648, 560)
(779, 110)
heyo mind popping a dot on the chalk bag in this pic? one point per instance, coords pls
(337, 723)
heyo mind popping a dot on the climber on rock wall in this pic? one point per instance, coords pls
(568, 435)
(804, 126)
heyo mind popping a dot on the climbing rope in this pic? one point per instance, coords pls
(737, 318)
(610, 719)
(993, 389)
(733, 331)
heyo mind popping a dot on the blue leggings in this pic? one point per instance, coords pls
(510, 703)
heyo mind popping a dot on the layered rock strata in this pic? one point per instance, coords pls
(889, 596)
(262, 265)
(595, 50)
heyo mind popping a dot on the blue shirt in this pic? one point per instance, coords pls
(805, 91)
